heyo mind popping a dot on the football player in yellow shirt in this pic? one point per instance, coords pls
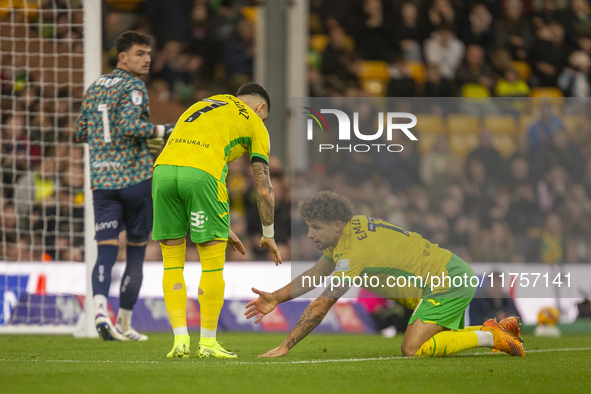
(189, 192)
(399, 264)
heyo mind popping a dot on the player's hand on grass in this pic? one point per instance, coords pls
(279, 351)
(236, 244)
(262, 306)
(270, 244)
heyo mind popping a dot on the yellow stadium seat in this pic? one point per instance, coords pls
(250, 13)
(554, 95)
(374, 69)
(374, 77)
(319, 42)
(461, 123)
(500, 124)
(577, 128)
(546, 92)
(523, 69)
(430, 123)
(463, 143)
(524, 122)
(418, 72)
(349, 43)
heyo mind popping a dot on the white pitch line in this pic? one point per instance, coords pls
(337, 360)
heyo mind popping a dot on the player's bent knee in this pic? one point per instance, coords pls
(408, 351)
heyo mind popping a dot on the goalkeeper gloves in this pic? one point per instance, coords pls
(162, 134)
(167, 130)
(154, 145)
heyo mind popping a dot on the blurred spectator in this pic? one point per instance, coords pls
(35, 189)
(202, 41)
(435, 161)
(494, 244)
(561, 152)
(373, 32)
(458, 223)
(479, 27)
(409, 32)
(578, 20)
(574, 79)
(494, 164)
(401, 82)
(239, 53)
(577, 225)
(400, 169)
(445, 50)
(552, 189)
(552, 240)
(548, 54)
(511, 85)
(548, 13)
(514, 31)
(540, 132)
(475, 76)
(440, 13)
(337, 58)
(436, 85)
(168, 22)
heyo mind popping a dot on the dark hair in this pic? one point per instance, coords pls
(326, 206)
(254, 89)
(130, 38)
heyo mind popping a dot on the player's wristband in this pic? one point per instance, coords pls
(163, 131)
(268, 231)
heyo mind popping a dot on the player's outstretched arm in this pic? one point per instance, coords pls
(266, 302)
(310, 319)
(266, 206)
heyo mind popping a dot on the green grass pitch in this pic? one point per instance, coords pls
(322, 363)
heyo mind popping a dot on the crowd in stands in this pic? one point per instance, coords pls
(522, 198)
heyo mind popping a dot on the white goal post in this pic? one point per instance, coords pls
(50, 52)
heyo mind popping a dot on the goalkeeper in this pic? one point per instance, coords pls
(190, 194)
(360, 246)
(113, 120)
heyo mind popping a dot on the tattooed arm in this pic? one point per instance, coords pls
(266, 302)
(266, 205)
(309, 320)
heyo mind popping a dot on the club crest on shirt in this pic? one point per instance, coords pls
(342, 265)
(136, 97)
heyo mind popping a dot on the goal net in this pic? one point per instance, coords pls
(42, 169)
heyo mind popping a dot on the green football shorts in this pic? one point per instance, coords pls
(448, 308)
(186, 197)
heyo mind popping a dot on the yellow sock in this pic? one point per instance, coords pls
(211, 285)
(470, 328)
(173, 284)
(448, 342)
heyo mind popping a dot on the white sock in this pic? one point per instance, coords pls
(485, 338)
(180, 331)
(124, 319)
(100, 305)
(205, 333)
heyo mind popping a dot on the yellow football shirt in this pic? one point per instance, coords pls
(212, 133)
(371, 247)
